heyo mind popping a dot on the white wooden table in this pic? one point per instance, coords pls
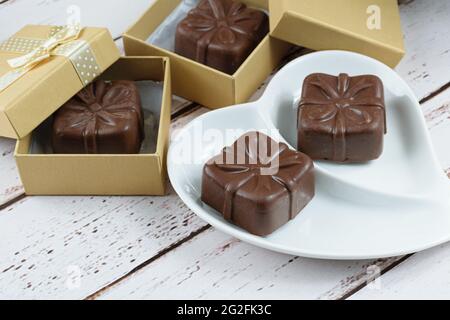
(155, 247)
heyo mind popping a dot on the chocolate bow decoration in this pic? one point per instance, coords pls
(343, 105)
(252, 171)
(23, 64)
(99, 104)
(215, 20)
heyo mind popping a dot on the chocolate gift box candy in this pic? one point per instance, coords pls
(221, 34)
(103, 118)
(258, 184)
(343, 118)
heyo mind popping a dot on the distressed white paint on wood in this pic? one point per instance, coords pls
(437, 114)
(179, 104)
(427, 39)
(117, 15)
(424, 276)
(217, 266)
(10, 184)
(100, 239)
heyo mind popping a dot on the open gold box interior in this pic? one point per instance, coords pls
(139, 174)
(200, 83)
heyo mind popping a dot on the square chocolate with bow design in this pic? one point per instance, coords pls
(103, 118)
(221, 34)
(258, 184)
(343, 118)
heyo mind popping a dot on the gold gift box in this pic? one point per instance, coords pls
(200, 83)
(27, 105)
(33, 98)
(135, 174)
(370, 27)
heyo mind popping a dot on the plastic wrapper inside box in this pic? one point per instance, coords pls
(164, 35)
(151, 99)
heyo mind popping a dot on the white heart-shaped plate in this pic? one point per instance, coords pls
(396, 205)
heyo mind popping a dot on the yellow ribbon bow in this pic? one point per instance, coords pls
(25, 63)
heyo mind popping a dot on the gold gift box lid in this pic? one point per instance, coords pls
(370, 27)
(47, 85)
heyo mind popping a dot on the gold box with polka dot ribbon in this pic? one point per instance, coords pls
(31, 95)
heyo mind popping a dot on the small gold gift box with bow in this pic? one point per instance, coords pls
(41, 67)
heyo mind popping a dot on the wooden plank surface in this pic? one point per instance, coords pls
(424, 276)
(216, 266)
(426, 29)
(77, 247)
(10, 184)
(102, 239)
(437, 114)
